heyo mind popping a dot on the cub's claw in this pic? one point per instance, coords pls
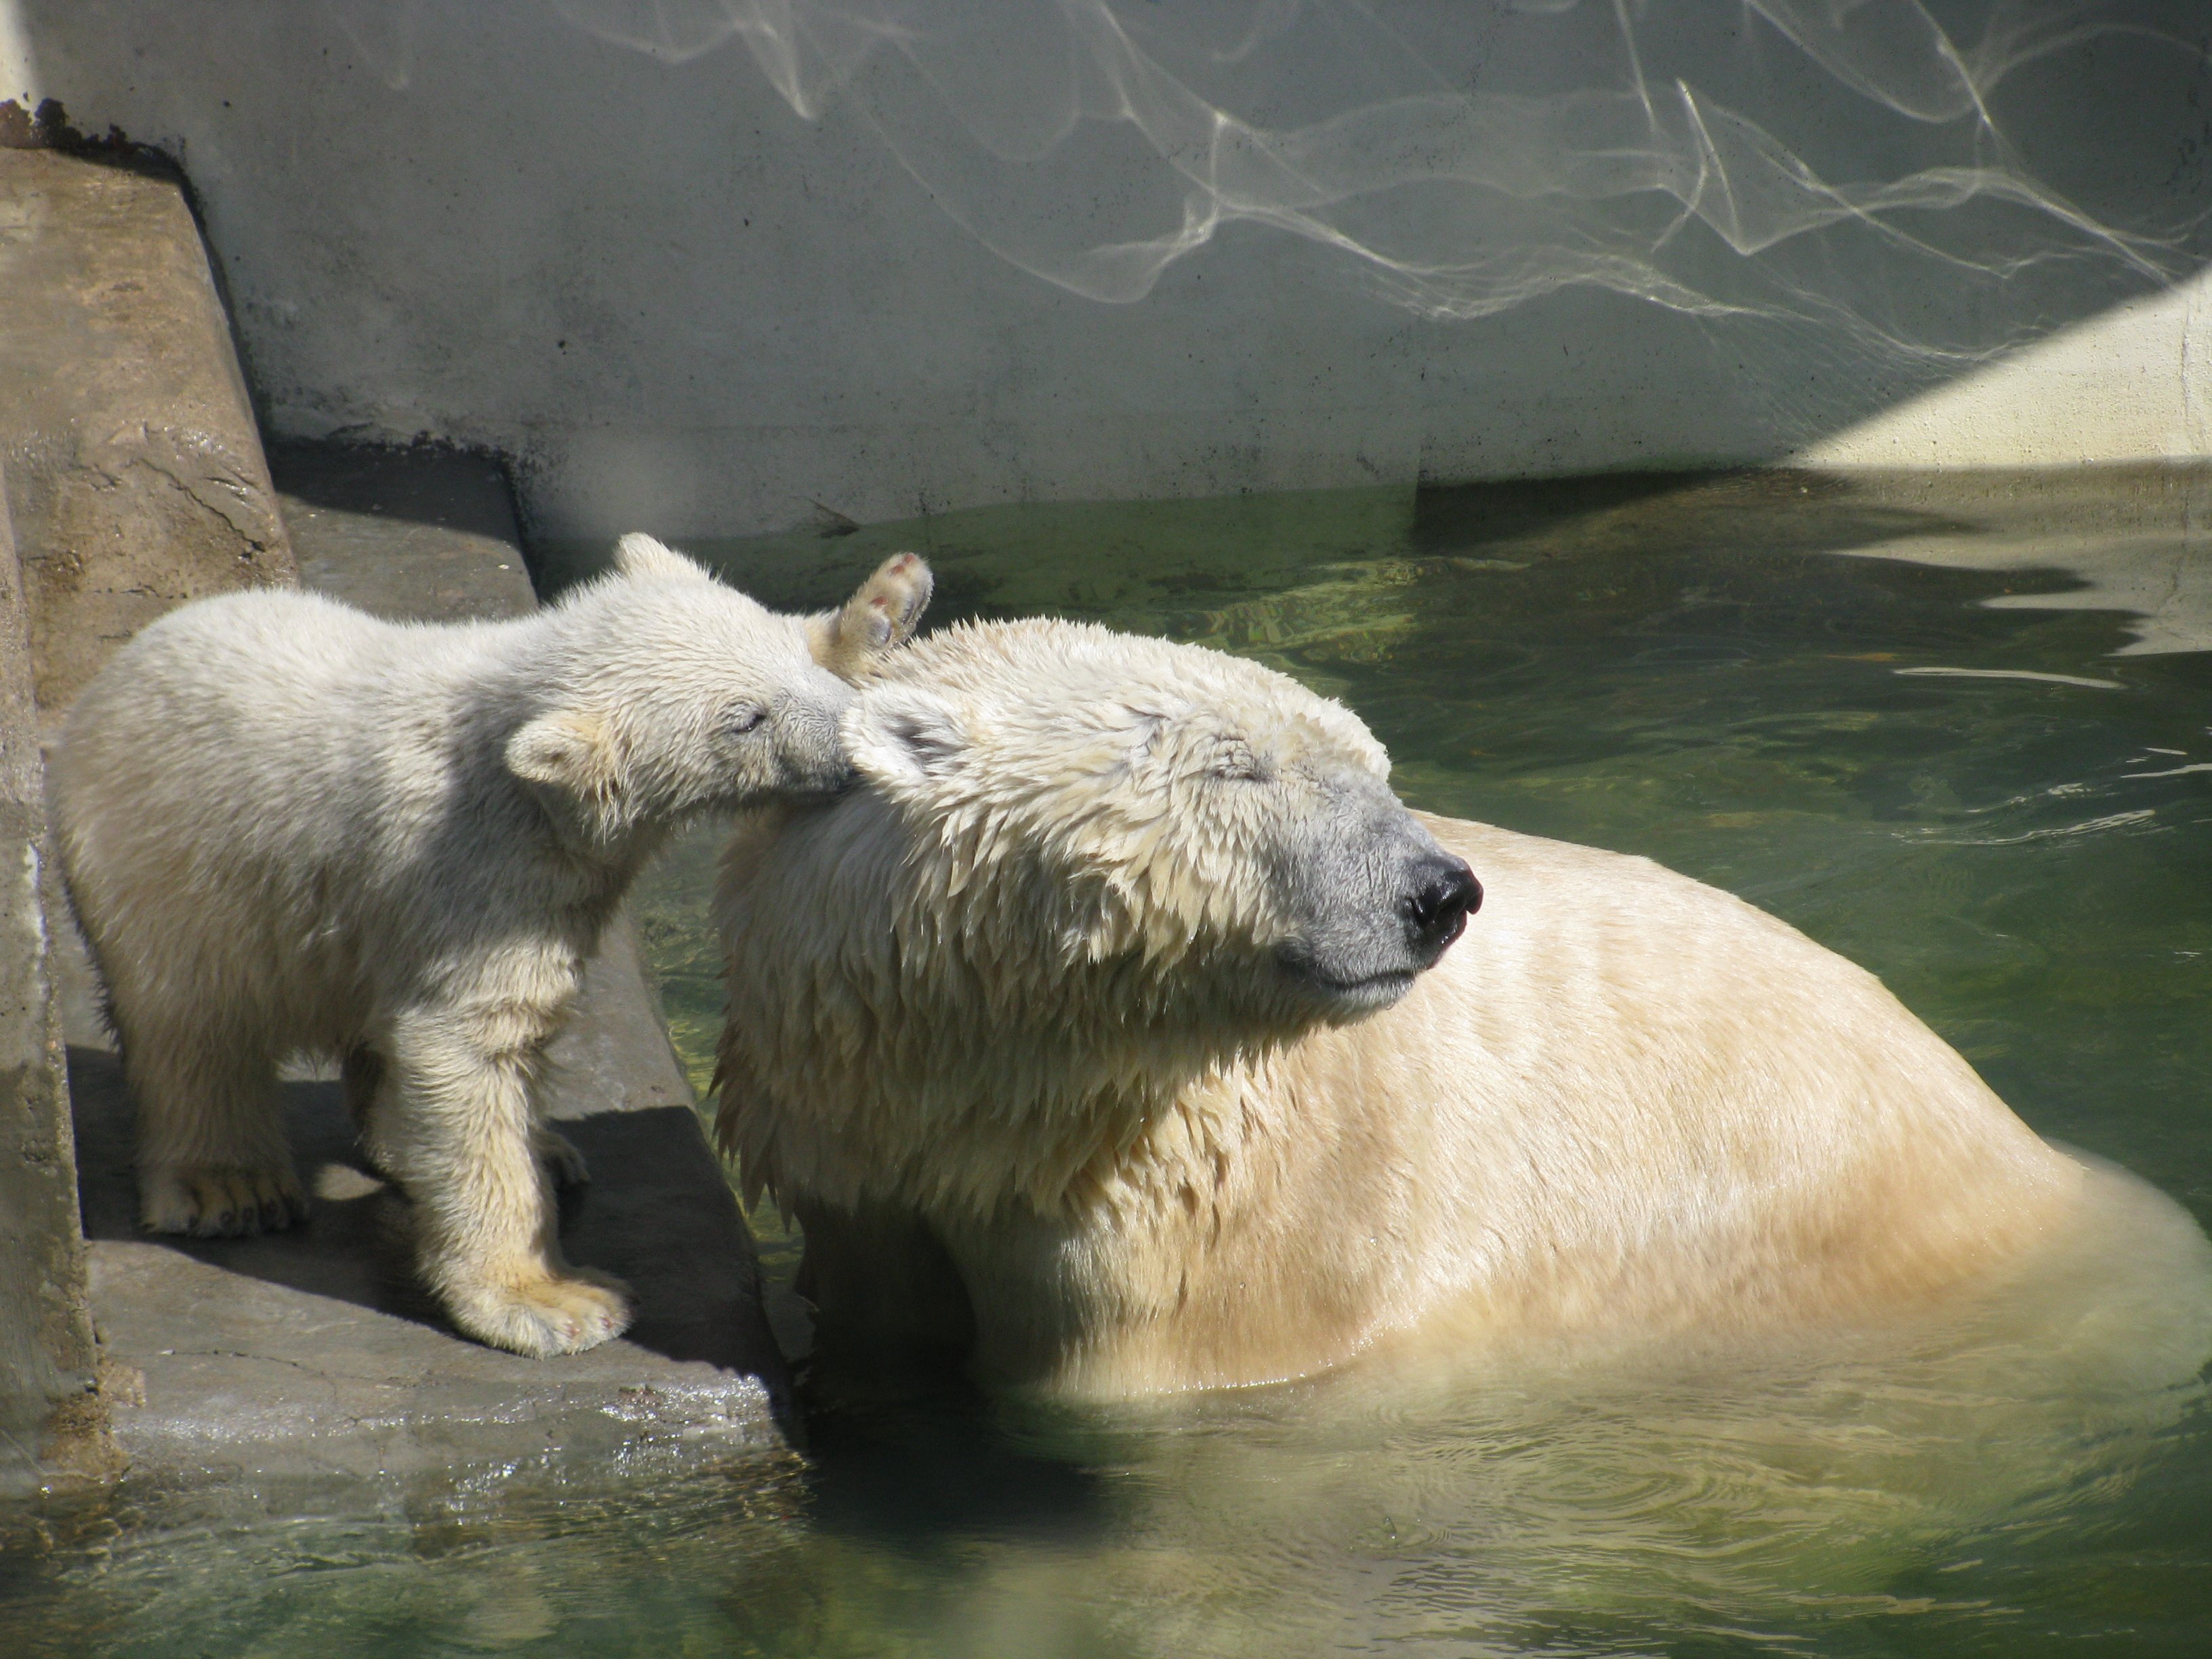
(215, 1202)
(544, 1316)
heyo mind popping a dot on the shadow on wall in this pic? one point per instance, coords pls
(696, 262)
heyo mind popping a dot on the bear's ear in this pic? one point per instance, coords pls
(571, 753)
(638, 557)
(900, 736)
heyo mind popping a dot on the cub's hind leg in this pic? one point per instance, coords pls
(213, 1160)
(560, 1157)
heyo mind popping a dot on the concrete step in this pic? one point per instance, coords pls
(135, 473)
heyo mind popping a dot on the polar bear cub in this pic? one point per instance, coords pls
(292, 828)
(1109, 1038)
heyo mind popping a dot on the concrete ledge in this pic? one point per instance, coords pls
(138, 481)
(422, 534)
(312, 1352)
(137, 475)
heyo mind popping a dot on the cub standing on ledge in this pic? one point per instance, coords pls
(290, 827)
(1109, 1040)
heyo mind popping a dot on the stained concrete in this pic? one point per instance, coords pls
(135, 475)
(46, 1354)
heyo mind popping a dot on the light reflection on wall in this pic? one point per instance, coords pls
(1094, 144)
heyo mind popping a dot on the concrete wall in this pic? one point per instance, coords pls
(46, 1355)
(697, 263)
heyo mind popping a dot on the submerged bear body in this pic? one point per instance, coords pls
(1047, 1040)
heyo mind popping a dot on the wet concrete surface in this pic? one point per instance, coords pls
(313, 1351)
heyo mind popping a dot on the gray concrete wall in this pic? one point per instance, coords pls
(694, 263)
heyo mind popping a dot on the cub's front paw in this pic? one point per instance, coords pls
(211, 1201)
(544, 1316)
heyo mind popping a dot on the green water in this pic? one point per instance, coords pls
(1872, 748)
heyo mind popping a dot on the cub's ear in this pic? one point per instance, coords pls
(853, 641)
(572, 753)
(901, 738)
(639, 558)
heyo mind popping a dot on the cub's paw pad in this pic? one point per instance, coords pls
(898, 593)
(546, 1316)
(882, 615)
(561, 1158)
(215, 1202)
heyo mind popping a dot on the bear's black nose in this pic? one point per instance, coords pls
(1445, 894)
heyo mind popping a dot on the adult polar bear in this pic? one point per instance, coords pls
(291, 827)
(1089, 1040)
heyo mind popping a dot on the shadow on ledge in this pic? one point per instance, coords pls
(657, 1213)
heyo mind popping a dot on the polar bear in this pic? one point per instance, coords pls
(1109, 1037)
(290, 827)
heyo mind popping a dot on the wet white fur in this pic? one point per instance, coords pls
(995, 1034)
(292, 828)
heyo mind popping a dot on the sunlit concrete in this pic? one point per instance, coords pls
(2134, 383)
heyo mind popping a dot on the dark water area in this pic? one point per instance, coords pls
(1960, 732)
